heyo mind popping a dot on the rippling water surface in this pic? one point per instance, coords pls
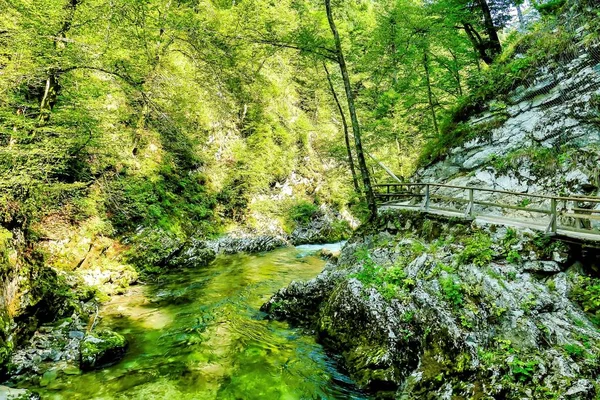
(199, 334)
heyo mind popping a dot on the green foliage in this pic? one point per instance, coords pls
(542, 161)
(514, 257)
(523, 371)
(171, 202)
(390, 282)
(528, 304)
(574, 351)
(510, 239)
(302, 212)
(452, 291)
(549, 7)
(477, 250)
(5, 238)
(586, 292)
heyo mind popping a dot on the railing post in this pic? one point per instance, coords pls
(554, 216)
(426, 201)
(469, 211)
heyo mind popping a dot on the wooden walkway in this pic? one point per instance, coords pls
(567, 218)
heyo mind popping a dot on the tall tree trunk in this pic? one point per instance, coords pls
(493, 47)
(52, 88)
(456, 72)
(362, 164)
(478, 43)
(429, 92)
(345, 126)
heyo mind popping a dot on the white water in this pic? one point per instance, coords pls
(307, 249)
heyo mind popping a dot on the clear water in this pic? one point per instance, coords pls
(199, 334)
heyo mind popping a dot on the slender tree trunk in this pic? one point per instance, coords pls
(362, 164)
(52, 88)
(398, 152)
(430, 93)
(478, 44)
(345, 126)
(49, 99)
(494, 47)
(456, 72)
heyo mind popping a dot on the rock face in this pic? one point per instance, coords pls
(546, 138)
(246, 243)
(327, 226)
(155, 247)
(431, 309)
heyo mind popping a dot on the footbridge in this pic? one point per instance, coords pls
(571, 218)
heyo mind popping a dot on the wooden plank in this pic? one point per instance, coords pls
(438, 208)
(578, 230)
(398, 194)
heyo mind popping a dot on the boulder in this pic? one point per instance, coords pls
(8, 393)
(102, 348)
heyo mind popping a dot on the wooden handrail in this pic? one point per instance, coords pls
(489, 190)
(577, 212)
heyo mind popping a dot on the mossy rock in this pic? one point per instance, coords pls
(16, 394)
(101, 349)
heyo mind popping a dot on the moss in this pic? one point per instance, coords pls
(6, 340)
(5, 239)
(586, 292)
(101, 348)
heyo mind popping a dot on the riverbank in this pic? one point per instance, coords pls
(420, 307)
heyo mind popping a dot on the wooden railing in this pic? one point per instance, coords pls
(567, 207)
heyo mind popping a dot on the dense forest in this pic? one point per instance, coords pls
(133, 131)
(187, 115)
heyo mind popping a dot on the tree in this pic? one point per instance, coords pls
(345, 128)
(480, 20)
(362, 164)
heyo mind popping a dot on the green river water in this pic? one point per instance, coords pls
(199, 334)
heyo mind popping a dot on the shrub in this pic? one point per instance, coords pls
(514, 257)
(574, 350)
(302, 212)
(477, 250)
(452, 291)
(389, 282)
(523, 370)
(549, 7)
(586, 292)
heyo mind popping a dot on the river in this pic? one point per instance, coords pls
(199, 334)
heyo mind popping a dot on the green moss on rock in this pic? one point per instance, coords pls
(102, 348)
